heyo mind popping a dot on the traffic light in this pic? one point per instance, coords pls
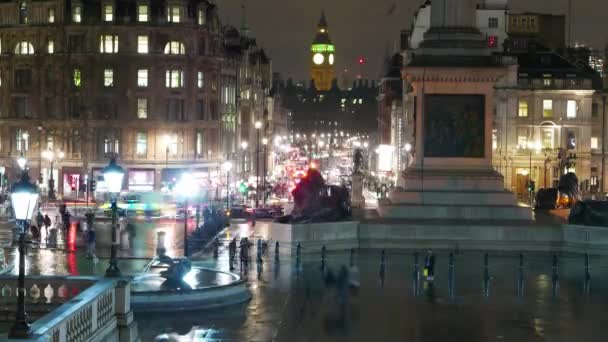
(242, 188)
(93, 185)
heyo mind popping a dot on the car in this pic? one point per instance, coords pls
(239, 212)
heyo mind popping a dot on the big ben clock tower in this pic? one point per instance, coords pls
(322, 57)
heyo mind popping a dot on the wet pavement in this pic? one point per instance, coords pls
(292, 303)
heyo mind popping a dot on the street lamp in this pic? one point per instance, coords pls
(258, 126)
(264, 143)
(408, 149)
(21, 161)
(531, 146)
(113, 175)
(24, 197)
(50, 156)
(186, 188)
(227, 166)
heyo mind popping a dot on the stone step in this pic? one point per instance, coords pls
(502, 198)
(456, 212)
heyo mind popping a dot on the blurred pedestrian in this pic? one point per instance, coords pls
(91, 242)
(429, 265)
(231, 253)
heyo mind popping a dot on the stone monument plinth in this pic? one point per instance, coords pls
(453, 77)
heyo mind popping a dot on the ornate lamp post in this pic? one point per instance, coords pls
(186, 188)
(227, 166)
(24, 198)
(113, 175)
(408, 149)
(258, 126)
(50, 156)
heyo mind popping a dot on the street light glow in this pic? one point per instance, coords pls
(258, 125)
(264, 141)
(227, 166)
(244, 145)
(21, 161)
(408, 147)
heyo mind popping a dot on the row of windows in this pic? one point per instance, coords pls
(107, 44)
(175, 110)
(571, 109)
(111, 143)
(174, 78)
(175, 13)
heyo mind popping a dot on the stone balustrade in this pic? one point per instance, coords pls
(79, 308)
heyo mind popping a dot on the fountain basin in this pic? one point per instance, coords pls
(204, 288)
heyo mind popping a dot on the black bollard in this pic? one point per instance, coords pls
(382, 266)
(555, 275)
(352, 257)
(416, 275)
(520, 276)
(451, 275)
(298, 253)
(587, 284)
(323, 250)
(276, 250)
(486, 275)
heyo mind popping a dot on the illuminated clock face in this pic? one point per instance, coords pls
(331, 59)
(318, 58)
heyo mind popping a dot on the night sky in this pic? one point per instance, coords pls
(285, 28)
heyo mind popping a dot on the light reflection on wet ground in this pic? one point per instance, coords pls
(299, 306)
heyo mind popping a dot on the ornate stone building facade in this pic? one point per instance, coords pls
(87, 80)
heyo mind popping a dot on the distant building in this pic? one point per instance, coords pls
(93, 79)
(322, 70)
(548, 29)
(351, 110)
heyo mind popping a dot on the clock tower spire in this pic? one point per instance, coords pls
(322, 57)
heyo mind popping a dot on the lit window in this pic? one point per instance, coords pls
(522, 137)
(172, 144)
(108, 43)
(174, 14)
(142, 13)
(51, 15)
(523, 109)
(547, 137)
(547, 81)
(594, 143)
(24, 48)
(571, 109)
(77, 78)
(547, 108)
(142, 77)
(22, 138)
(141, 147)
(199, 143)
(175, 48)
(108, 12)
(571, 140)
(23, 14)
(77, 14)
(174, 79)
(142, 108)
(200, 80)
(110, 145)
(142, 44)
(201, 17)
(108, 78)
(50, 47)
(494, 140)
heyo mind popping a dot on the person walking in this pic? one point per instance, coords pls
(231, 253)
(91, 242)
(429, 265)
(47, 225)
(39, 220)
(244, 254)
